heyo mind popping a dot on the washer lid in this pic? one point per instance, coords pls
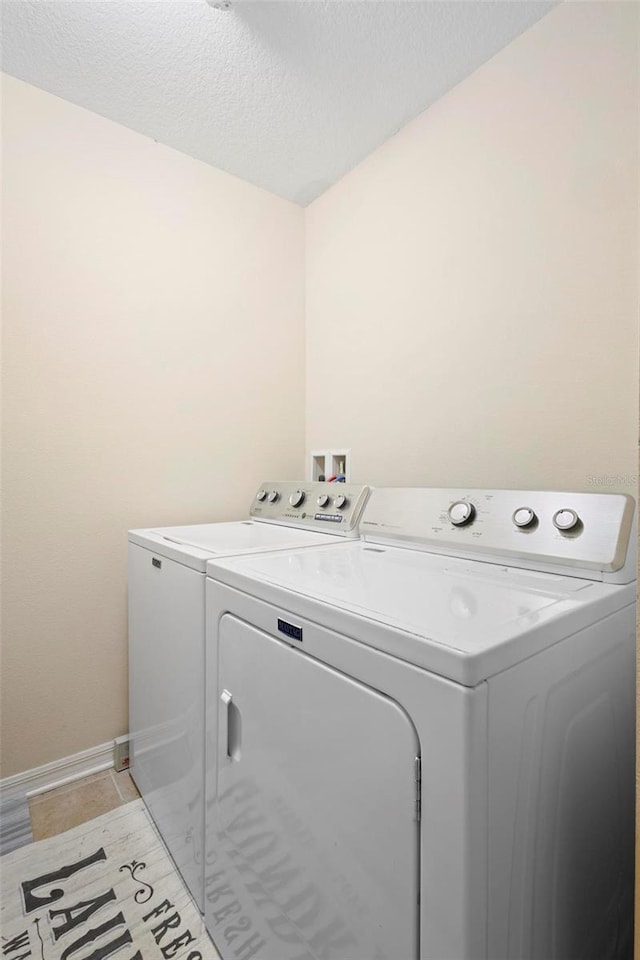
(461, 618)
(194, 545)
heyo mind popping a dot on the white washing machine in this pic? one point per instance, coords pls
(425, 738)
(167, 648)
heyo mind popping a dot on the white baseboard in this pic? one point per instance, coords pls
(58, 773)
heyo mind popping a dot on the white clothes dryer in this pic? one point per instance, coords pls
(422, 743)
(167, 643)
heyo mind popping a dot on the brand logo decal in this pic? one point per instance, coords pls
(290, 630)
(331, 517)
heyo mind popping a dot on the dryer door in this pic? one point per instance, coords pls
(317, 815)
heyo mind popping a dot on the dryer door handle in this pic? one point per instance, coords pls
(233, 726)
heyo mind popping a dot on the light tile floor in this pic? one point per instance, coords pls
(59, 810)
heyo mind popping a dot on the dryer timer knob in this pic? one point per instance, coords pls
(461, 512)
(296, 498)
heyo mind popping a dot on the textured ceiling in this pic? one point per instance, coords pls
(289, 94)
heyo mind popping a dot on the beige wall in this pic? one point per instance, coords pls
(472, 292)
(472, 286)
(153, 343)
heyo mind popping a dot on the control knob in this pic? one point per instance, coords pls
(261, 495)
(296, 498)
(273, 497)
(461, 512)
(324, 499)
(341, 501)
(524, 517)
(565, 519)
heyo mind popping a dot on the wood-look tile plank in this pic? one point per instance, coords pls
(66, 807)
(125, 785)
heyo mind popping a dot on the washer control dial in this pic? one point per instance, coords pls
(524, 517)
(341, 501)
(461, 512)
(261, 495)
(565, 519)
(296, 498)
(273, 497)
(324, 499)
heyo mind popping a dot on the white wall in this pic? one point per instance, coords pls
(472, 286)
(153, 343)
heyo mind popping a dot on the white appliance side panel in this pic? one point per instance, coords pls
(316, 805)
(561, 799)
(166, 703)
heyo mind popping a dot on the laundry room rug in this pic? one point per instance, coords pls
(105, 889)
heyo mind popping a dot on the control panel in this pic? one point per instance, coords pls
(534, 529)
(334, 508)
